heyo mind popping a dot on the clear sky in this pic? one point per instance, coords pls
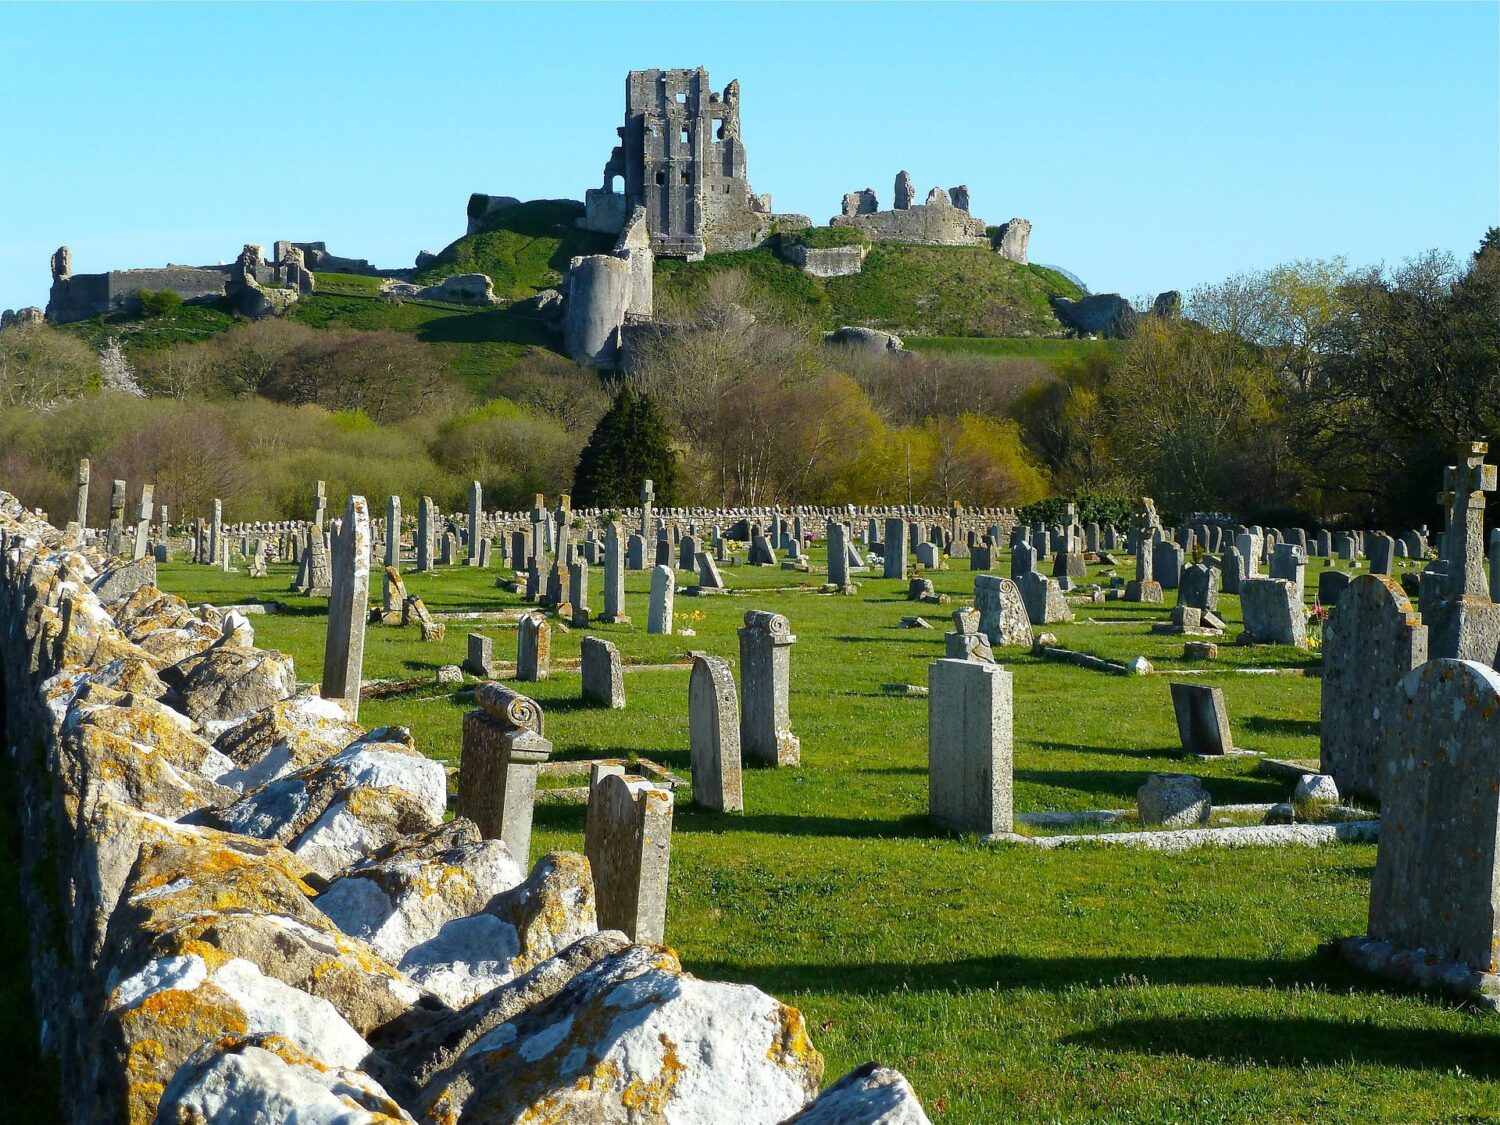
(1152, 146)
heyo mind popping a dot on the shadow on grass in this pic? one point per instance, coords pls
(1267, 1041)
(1262, 724)
(1112, 751)
(689, 819)
(1124, 783)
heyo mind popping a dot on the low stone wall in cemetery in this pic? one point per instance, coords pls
(242, 901)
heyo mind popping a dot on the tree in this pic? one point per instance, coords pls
(630, 445)
(43, 366)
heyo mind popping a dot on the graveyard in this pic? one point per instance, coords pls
(1007, 982)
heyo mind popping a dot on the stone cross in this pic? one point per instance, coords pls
(348, 606)
(1463, 542)
(217, 546)
(320, 504)
(81, 512)
(476, 514)
(648, 494)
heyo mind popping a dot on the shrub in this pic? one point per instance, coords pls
(159, 304)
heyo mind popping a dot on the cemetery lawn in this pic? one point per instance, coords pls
(1009, 984)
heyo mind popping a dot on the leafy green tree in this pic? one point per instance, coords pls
(630, 444)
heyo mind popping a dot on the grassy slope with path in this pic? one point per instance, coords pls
(1009, 984)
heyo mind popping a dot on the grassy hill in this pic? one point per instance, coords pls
(923, 290)
(526, 248)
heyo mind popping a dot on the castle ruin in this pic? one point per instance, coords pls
(681, 158)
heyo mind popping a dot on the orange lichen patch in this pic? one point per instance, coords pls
(791, 1047)
(652, 1096)
(161, 1032)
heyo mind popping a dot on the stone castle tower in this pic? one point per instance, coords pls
(680, 157)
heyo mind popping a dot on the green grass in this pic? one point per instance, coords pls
(185, 324)
(349, 284)
(826, 238)
(948, 291)
(1009, 984)
(770, 283)
(525, 249)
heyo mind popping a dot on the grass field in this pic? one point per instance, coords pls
(1009, 984)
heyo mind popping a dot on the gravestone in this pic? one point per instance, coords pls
(533, 647)
(614, 577)
(1199, 587)
(1331, 587)
(393, 531)
(895, 549)
(838, 554)
(81, 496)
(603, 683)
(142, 537)
(426, 529)
(116, 540)
(1144, 587)
(476, 516)
(480, 660)
(1272, 612)
(714, 735)
(319, 569)
(1002, 613)
(502, 749)
(766, 737)
(1287, 562)
(1440, 805)
(969, 774)
(628, 840)
(659, 612)
(520, 550)
(1043, 599)
(928, 556)
(635, 552)
(981, 558)
(1166, 564)
(1370, 643)
(348, 606)
(1022, 561)
(578, 593)
(687, 552)
(709, 577)
(1382, 554)
(1202, 721)
(1463, 622)
(1234, 570)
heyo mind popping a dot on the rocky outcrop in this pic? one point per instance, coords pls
(1099, 314)
(244, 906)
(460, 289)
(871, 340)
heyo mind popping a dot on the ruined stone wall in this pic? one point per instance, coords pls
(925, 224)
(86, 295)
(241, 900)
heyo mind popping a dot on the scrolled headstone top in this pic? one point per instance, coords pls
(774, 624)
(509, 707)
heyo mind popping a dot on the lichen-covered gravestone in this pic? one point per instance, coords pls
(1440, 805)
(1273, 612)
(628, 839)
(1371, 641)
(1002, 615)
(714, 734)
(348, 606)
(603, 685)
(533, 648)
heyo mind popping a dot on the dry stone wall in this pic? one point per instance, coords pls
(243, 902)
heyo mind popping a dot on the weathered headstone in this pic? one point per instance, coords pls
(966, 642)
(709, 577)
(476, 516)
(603, 683)
(348, 606)
(1371, 641)
(766, 737)
(81, 498)
(142, 537)
(502, 748)
(116, 539)
(426, 529)
(614, 577)
(1199, 587)
(969, 772)
(480, 660)
(1043, 599)
(533, 647)
(659, 612)
(714, 735)
(628, 840)
(1002, 613)
(578, 593)
(895, 549)
(1202, 720)
(1436, 886)
(393, 531)
(1463, 622)
(1272, 612)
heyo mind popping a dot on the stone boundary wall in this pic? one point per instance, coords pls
(240, 900)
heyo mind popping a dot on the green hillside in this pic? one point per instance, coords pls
(925, 290)
(525, 249)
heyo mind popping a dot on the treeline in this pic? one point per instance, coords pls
(1310, 393)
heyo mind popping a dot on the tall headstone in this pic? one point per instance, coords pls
(502, 749)
(348, 606)
(648, 495)
(614, 577)
(142, 537)
(969, 746)
(659, 613)
(1273, 613)
(218, 545)
(714, 735)
(320, 505)
(628, 839)
(766, 737)
(578, 592)
(480, 660)
(1436, 886)
(895, 548)
(393, 531)
(1464, 623)
(81, 500)
(476, 518)
(838, 554)
(533, 647)
(1287, 562)
(116, 541)
(1372, 640)
(603, 683)
(426, 530)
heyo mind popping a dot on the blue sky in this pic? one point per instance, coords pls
(1152, 146)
